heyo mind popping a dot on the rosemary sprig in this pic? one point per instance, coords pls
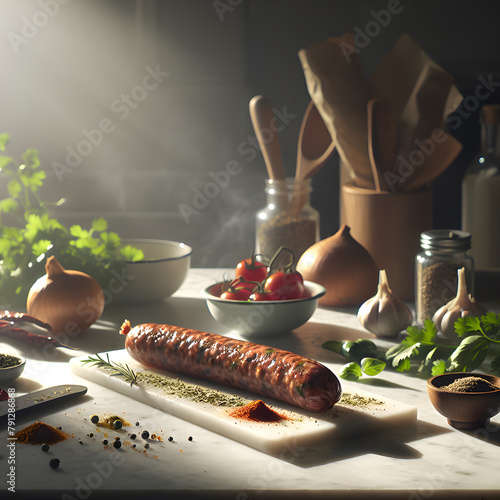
(116, 369)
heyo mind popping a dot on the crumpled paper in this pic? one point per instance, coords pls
(420, 93)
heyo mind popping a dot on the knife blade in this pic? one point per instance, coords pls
(43, 397)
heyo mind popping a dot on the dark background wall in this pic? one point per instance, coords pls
(69, 67)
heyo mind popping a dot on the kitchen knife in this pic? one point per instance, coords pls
(40, 398)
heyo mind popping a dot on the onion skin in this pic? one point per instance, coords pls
(343, 266)
(69, 301)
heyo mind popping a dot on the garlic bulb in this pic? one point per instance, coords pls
(69, 301)
(462, 305)
(384, 314)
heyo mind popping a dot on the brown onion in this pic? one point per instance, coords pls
(69, 301)
(343, 266)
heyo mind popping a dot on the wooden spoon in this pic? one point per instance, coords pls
(264, 124)
(314, 148)
(381, 142)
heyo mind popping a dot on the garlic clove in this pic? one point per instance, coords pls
(384, 315)
(462, 305)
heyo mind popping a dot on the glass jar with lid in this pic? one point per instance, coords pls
(481, 193)
(444, 252)
(288, 219)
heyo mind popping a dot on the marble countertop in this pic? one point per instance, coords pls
(427, 460)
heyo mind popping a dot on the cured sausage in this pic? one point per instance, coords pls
(257, 368)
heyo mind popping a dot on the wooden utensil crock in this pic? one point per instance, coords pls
(388, 225)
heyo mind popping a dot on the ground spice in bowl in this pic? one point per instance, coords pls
(40, 433)
(470, 384)
(8, 361)
(257, 411)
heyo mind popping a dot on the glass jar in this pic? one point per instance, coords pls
(481, 193)
(436, 270)
(288, 219)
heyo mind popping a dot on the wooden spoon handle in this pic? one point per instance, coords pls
(264, 124)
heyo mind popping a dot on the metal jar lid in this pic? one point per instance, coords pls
(445, 239)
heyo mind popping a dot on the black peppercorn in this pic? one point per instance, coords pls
(137, 424)
(94, 419)
(105, 441)
(132, 436)
(117, 444)
(45, 447)
(117, 424)
(146, 445)
(54, 463)
(190, 438)
(170, 438)
(145, 434)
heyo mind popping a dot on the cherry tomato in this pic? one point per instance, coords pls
(286, 285)
(251, 270)
(261, 296)
(236, 294)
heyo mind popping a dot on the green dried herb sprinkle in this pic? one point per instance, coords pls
(350, 399)
(176, 387)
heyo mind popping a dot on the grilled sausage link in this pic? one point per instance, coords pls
(256, 368)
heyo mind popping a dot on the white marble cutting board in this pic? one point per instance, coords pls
(300, 429)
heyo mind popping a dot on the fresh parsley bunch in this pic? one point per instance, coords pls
(28, 234)
(420, 352)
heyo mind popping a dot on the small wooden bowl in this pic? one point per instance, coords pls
(464, 410)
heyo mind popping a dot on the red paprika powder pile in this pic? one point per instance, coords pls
(257, 411)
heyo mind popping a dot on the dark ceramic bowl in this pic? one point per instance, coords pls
(464, 410)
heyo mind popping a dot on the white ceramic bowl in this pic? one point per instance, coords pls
(253, 319)
(159, 275)
(13, 372)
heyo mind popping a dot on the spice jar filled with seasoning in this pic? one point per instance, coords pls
(288, 219)
(444, 252)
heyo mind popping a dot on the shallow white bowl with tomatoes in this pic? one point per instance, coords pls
(254, 318)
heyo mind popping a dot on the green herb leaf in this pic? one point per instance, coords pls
(8, 205)
(333, 345)
(131, 254)
(467, 325)
(14, 187)
(30, 158)
(372, 366)
(470, 354)
(438, 367)
(99, 225)
(350, 371)
(5, 161)
(40, 247)
(495, 365)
